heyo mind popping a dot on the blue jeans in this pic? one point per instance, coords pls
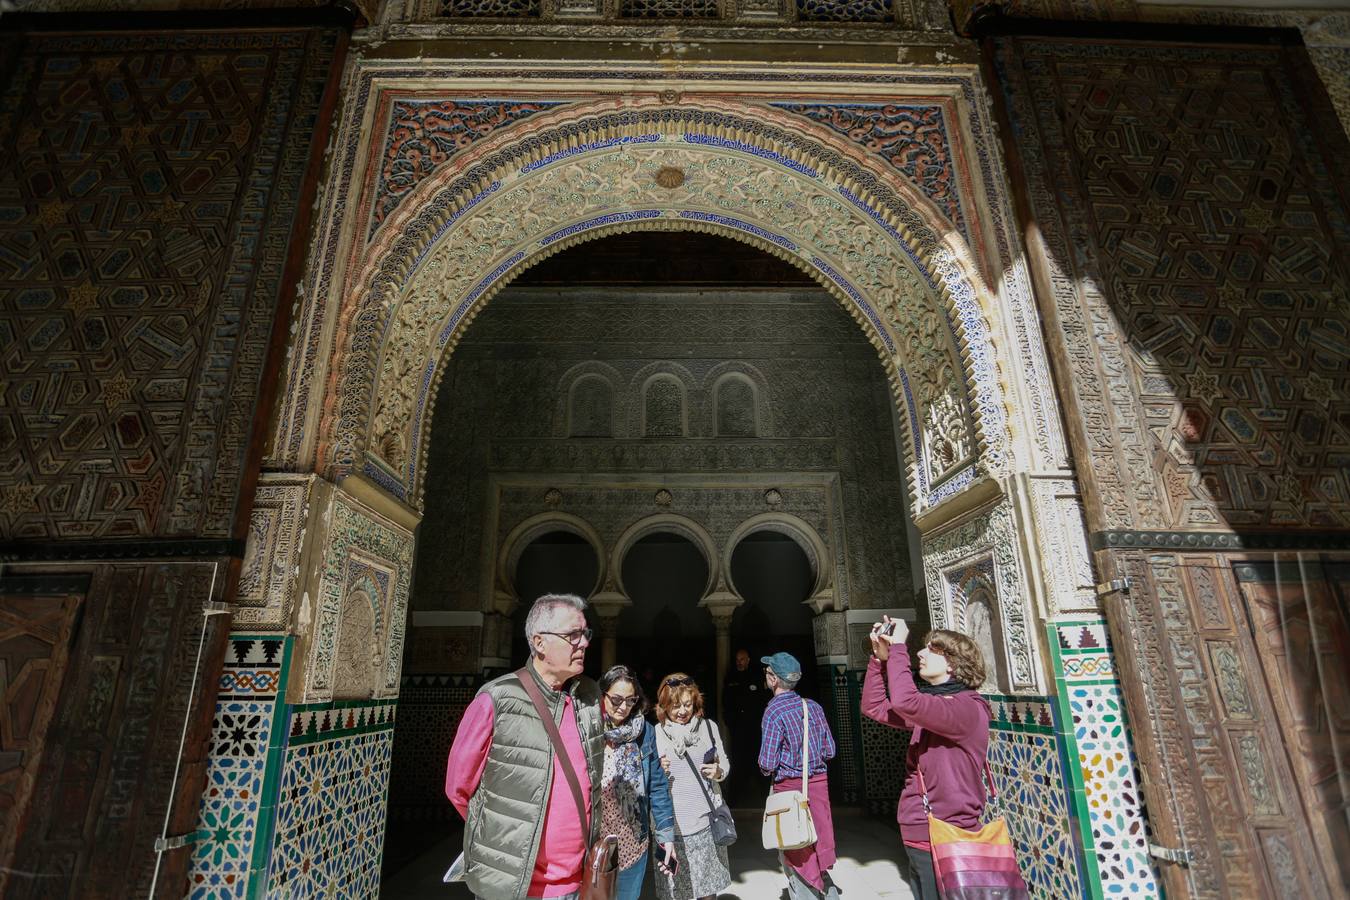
(629, 883)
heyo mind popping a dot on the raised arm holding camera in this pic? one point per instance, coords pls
(950, 740)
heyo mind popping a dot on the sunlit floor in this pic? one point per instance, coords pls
(869, 866)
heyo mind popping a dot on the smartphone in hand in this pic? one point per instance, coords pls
(672, 864)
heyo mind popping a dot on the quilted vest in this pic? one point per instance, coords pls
(506, 814)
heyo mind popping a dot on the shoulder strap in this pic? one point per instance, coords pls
(806, 744)
(698, 776)
(532, 689)
(986, 776)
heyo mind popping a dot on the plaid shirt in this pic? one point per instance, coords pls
(780, 750)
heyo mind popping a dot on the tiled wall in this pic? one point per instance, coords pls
(295, 797)
(1027, 759)
(1063, 767)
(334, 786)
(1104, 779)
(429, 710)
(239, 803)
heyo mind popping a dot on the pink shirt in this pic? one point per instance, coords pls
(557, 868)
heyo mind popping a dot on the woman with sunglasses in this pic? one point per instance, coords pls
(632, 787)
(691, 752)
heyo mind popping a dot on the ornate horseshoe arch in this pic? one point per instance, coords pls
(668, 523)
(520, 537)
(817, 553)
(872, 240)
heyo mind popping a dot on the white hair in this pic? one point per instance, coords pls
(543, 608)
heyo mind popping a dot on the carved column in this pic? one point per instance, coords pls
(721, 605)
(609, 605)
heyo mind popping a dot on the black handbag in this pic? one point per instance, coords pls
(719, 817)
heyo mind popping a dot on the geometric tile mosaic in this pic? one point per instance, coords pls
(230, 856)
(1026, 759)
(1105, 782)
(333, 799)
(296, 795)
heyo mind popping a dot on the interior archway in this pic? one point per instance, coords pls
(773, 575)
(665, 630)
(873, 240)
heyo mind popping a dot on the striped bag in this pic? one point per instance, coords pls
(974, 865)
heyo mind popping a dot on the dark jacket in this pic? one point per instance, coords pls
(950, 743)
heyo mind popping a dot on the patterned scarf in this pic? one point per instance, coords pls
(623, 748)
(682, 737)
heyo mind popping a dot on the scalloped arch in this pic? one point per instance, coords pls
(893, 261)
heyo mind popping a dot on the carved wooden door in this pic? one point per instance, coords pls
(1299, 609)
(36, 629)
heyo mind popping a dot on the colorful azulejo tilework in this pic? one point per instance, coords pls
(1105, 778)
(233, 825)
(332, 803)
(1026, 759)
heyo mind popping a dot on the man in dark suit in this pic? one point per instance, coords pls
(745, 697)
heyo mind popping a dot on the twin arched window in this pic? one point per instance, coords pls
(664, 407)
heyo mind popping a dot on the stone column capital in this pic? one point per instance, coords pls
(610, 604)
(504, 603)
(721, 605)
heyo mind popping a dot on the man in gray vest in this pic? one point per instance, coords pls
(523, 836)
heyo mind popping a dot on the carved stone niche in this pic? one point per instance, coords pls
(339, 570)
(357, 665)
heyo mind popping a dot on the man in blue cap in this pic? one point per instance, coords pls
(780, 758)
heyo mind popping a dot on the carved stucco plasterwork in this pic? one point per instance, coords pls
(1062, 546)
(270, 575)
(721, 509)
(990, 534)
(943, 264)
(365, 554)
(975, 154)
(617, 187)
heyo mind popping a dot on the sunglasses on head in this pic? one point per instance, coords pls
(678, 682)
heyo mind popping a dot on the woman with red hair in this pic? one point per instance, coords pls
(693, 756)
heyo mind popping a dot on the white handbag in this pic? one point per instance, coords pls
(787, 814)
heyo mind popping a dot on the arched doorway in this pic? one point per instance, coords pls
(756, 173)
(772, 573)
(556, 562)
(664, 630)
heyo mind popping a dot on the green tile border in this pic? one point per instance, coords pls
(308, 738)
(269, 798)
(1077, 790)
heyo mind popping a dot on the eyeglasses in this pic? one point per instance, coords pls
(678, 682)
(575, 638)
(621, 702)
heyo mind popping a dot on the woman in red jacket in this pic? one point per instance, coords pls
(951, 733)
